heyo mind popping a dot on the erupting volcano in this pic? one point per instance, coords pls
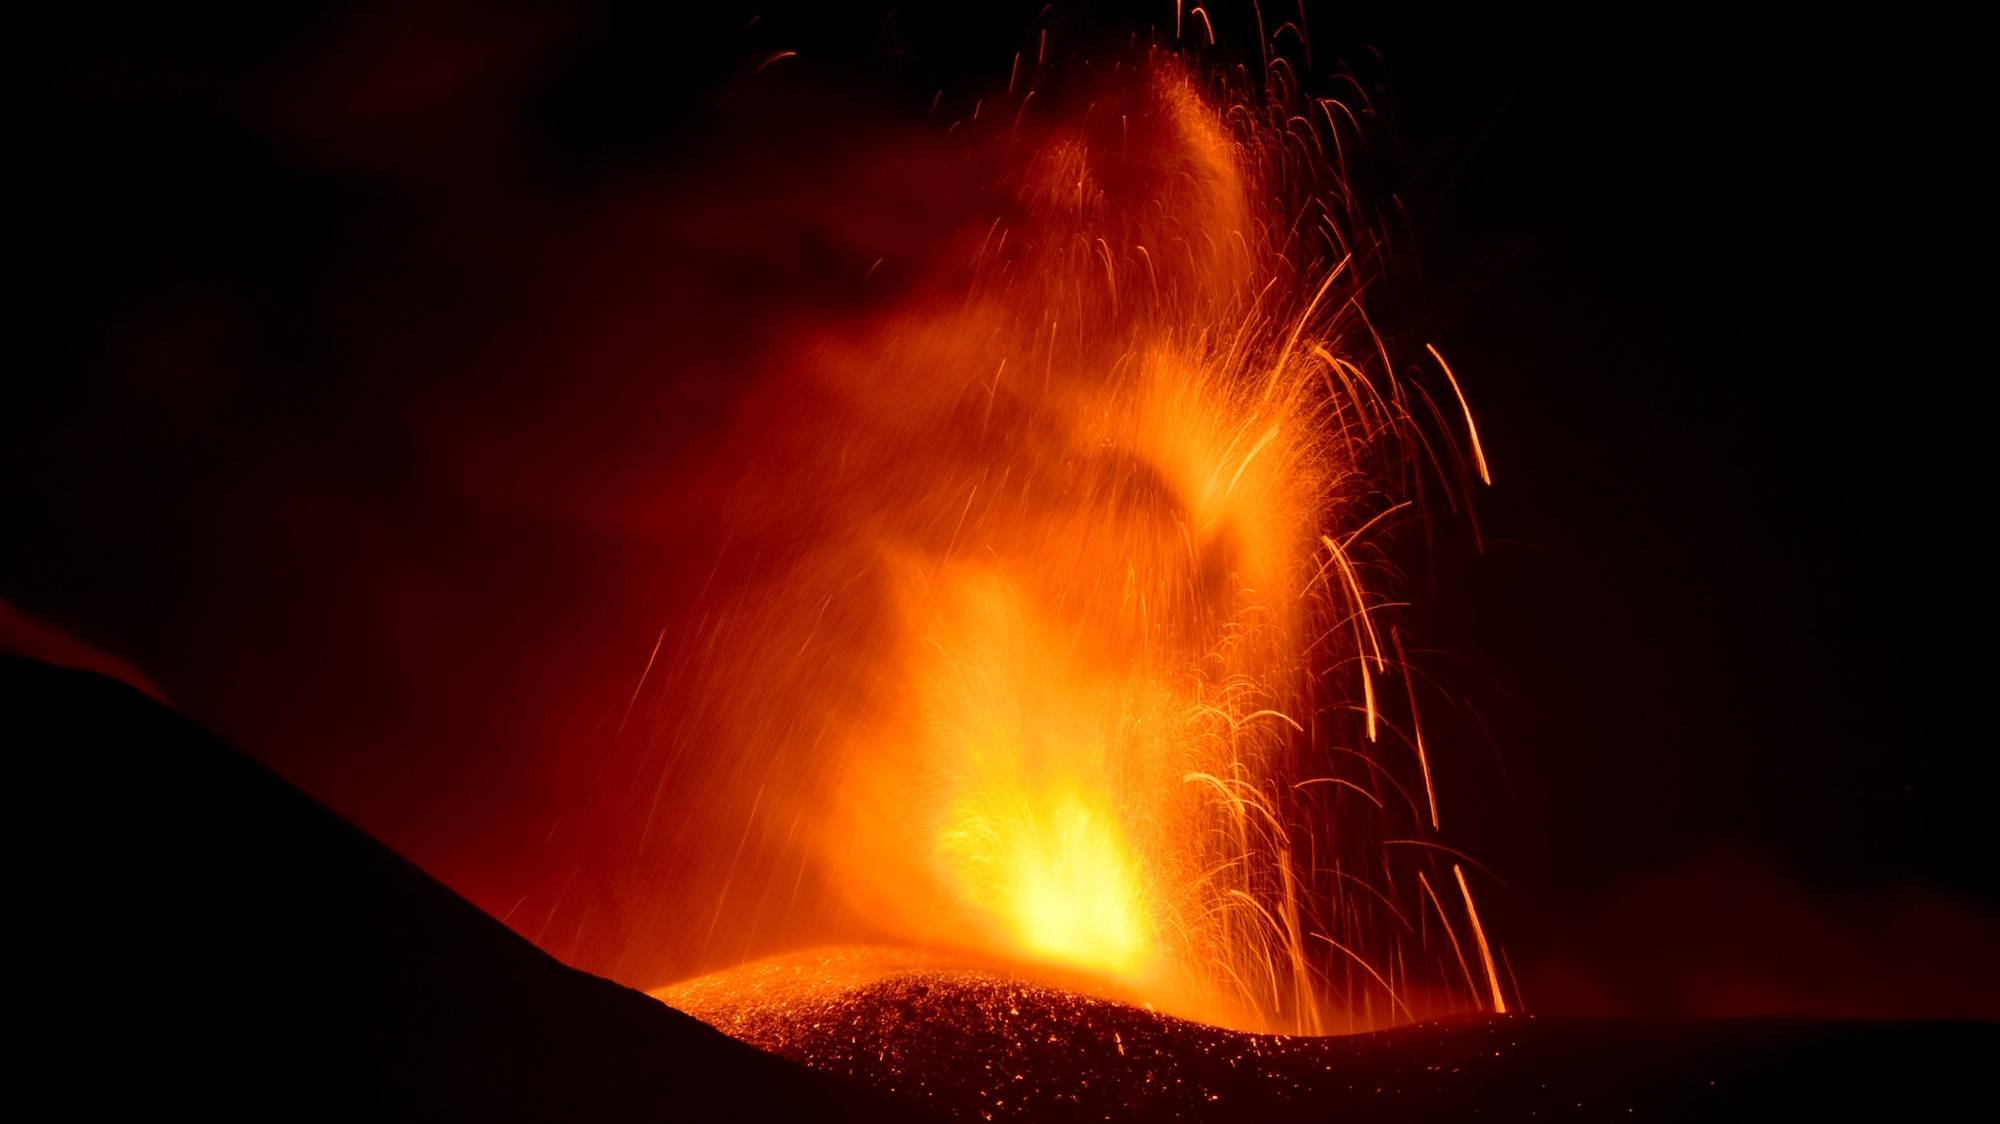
(1073, 640)
(938, 562)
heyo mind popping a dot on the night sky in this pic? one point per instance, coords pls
(281, 434)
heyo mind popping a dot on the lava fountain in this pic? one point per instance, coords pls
(1068, 646)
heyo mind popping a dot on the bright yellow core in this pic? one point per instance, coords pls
(1053, 871)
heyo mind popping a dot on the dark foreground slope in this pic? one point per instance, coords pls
(193, 938)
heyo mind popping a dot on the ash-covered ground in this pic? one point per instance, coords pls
(976, 1045)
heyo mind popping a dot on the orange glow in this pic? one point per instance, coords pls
(1055, 872)
(1085, 637)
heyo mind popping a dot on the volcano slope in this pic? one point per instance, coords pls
(979, 1044)
(196, 937)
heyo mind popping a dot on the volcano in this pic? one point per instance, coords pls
(202, 937)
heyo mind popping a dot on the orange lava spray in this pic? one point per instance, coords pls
(1081, 622)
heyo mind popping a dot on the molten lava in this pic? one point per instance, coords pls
(1067, 648)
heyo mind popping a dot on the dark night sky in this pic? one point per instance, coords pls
(1711, 287)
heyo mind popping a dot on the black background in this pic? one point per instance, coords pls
(1716, 290)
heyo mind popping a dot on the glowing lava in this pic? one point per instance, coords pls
(1083, 637)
